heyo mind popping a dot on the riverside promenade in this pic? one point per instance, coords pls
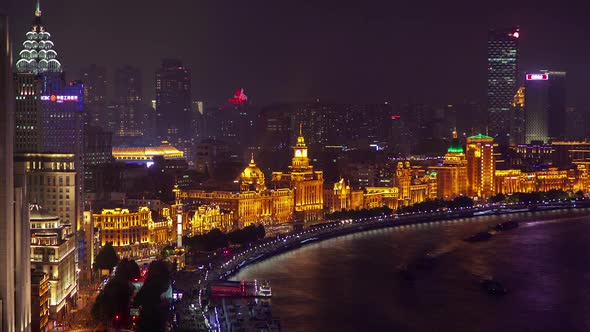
(224, 264)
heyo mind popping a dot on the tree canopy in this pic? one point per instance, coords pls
(107, 258)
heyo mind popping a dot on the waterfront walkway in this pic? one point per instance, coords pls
(222, 266)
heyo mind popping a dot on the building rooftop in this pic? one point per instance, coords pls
(480, 136)
(166, 151)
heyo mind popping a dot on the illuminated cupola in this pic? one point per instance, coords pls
(38, 55)
(455, 152)
(300, 159)
(252, 178)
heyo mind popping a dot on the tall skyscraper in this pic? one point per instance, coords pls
(502, 82)
(15, 274)
(545, 106)
(49, 117)
(481, 166)
(174, 119)
(128, 98)
(95, 94)
(173, 101)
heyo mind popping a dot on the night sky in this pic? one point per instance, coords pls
(338, 51)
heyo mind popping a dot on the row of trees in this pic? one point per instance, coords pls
(216, 239)
(153, 309)
(536, 196)
(113, 302)
(438, 204)
(358, 214)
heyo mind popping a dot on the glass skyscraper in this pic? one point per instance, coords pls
(545, 106)
(502, 83)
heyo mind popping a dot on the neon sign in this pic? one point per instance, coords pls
(537, 77)
(59, 99)
(239, 97)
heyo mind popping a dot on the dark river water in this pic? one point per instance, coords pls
(352, 283)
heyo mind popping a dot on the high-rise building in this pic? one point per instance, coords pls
(98, 149)
(173, 100)
(52, 183)
(49, 110)
(174, 119)
(545, 106)
(518, 117)
(128, 98)
(480, 166)
(15, 272)
(94, 78)
(502, 82)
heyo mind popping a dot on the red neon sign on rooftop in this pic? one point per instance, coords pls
(537, 77)
(239, 97)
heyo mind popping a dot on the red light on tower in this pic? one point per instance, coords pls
(239, 97)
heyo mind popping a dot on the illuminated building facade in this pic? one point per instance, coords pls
(145, 155)
(254, 203)
(53, 251)
(519, 117)
(480, 166)
(52, 183)
(513, 180)
(452, 175)
(403, 180)
(374, 197)
(307, 183)
(502, 82)
(208, 217)
(39, 301)
(342, 197)
(414, 184)
(133, 233)
(545, 106)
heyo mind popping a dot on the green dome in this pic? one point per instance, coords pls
(455, 147)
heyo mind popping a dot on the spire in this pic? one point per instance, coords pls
(252, 160)
(455, 133)
(38, 9)
(300, 128)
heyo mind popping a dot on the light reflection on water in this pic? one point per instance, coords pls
(352, 283)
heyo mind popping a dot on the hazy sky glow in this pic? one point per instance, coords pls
(347, 51)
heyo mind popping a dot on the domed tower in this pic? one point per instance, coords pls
(252, 178)
(455, 152)
(38, 55)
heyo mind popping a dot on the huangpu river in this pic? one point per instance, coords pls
(353, 282)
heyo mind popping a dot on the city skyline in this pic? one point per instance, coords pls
(330, 51)
(128, 201)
